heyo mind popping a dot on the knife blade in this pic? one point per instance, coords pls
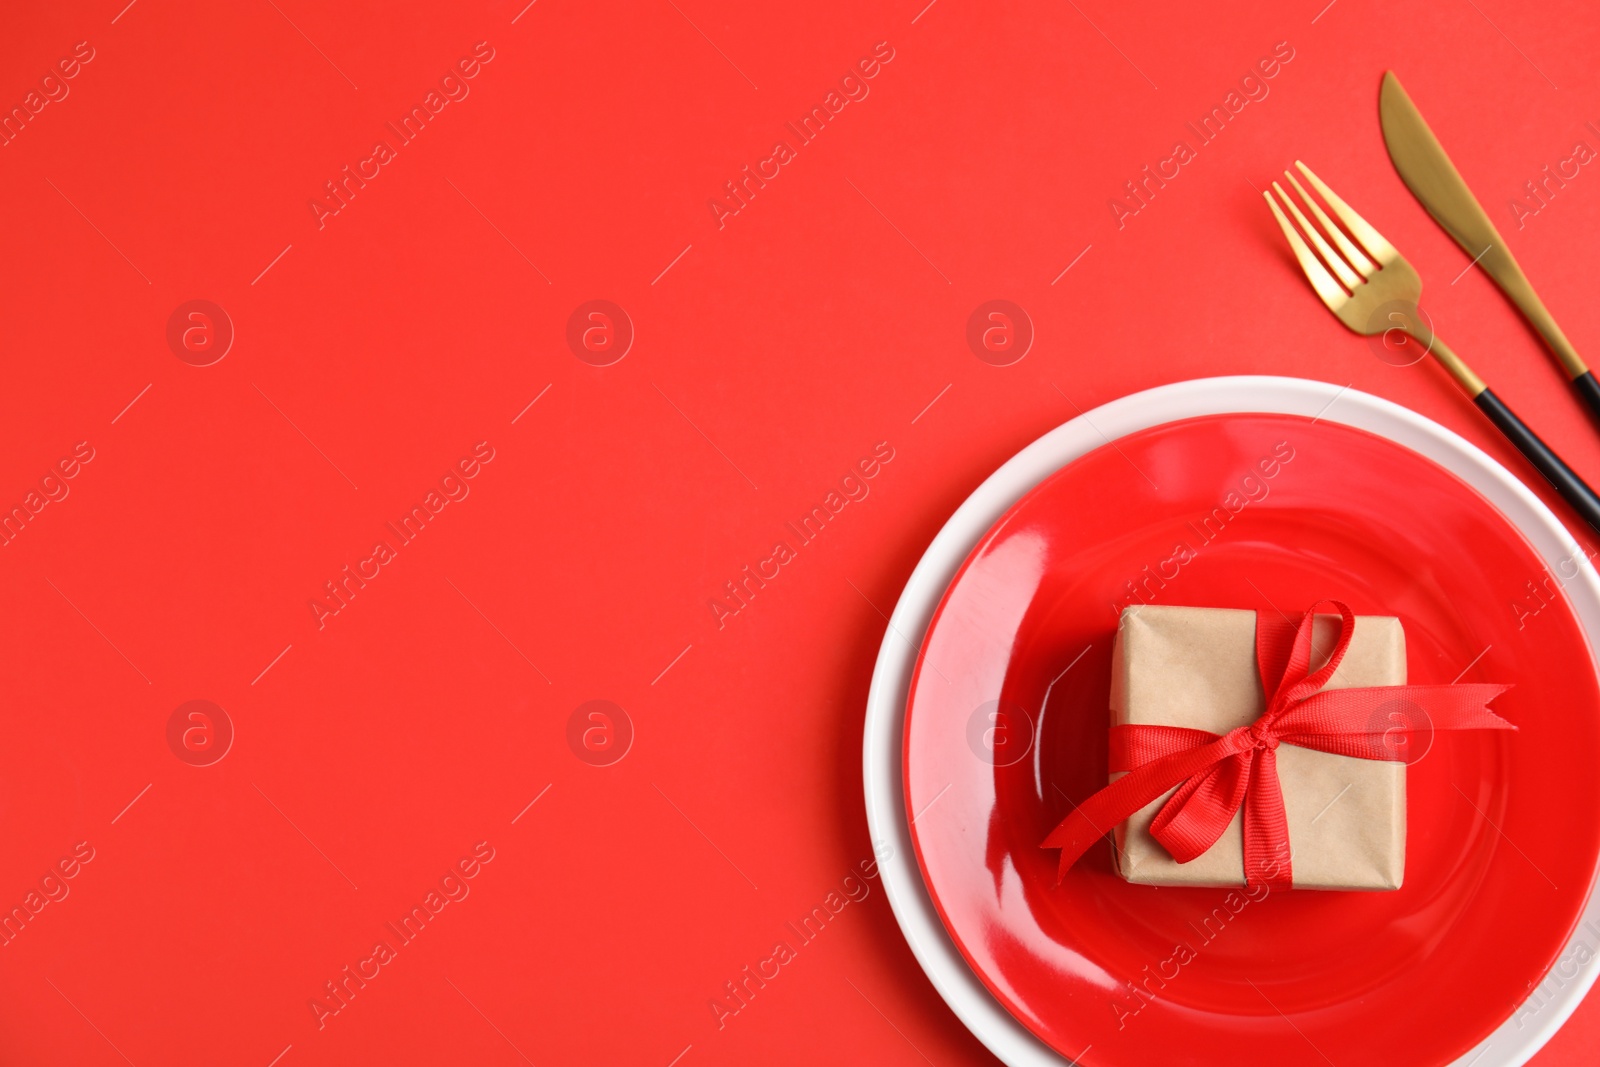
(1435, 182)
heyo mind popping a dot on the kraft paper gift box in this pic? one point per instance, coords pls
(1196, 667)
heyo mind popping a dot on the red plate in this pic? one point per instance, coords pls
(1504, 829)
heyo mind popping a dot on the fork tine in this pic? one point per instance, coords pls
(1340, 268)
(1328, 289)
(1346, 247)
(1376, 246)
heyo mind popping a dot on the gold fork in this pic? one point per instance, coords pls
(1372, 289)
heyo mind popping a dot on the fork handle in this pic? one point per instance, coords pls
(1566, 482)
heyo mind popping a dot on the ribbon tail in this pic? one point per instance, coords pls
(1380, 722)
(1091, 820)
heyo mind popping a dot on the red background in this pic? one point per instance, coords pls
(772, 355)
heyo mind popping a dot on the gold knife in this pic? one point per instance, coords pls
(1434, 180)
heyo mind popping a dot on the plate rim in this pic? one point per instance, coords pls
(1508, 1045)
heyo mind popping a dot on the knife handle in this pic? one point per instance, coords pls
(1589, 390)
(1566, 482)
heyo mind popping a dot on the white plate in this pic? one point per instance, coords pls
(1528, 1028)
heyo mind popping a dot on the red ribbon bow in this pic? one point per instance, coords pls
(1219, 774)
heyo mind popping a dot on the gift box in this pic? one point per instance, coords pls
(1197, 668)
(1248, 748)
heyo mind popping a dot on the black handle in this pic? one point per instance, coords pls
(1589, 390)
(1568, 484)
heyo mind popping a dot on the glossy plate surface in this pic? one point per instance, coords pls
(1504, 831)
